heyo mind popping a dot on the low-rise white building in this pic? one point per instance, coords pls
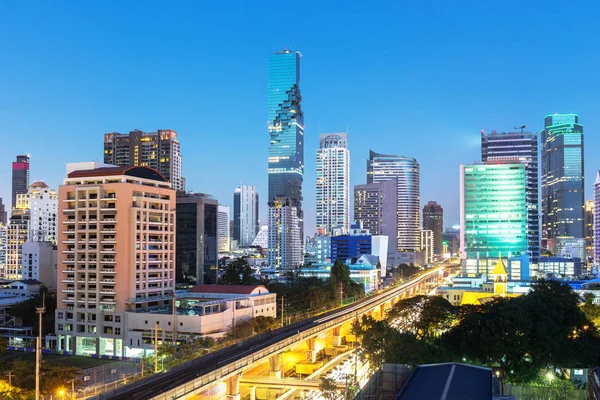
(206, 310)
(39, 262)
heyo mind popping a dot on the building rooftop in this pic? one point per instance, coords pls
(230, 289)
(38, 185)
(138, 172)
(448, 381)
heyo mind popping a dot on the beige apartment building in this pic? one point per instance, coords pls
(116, 253)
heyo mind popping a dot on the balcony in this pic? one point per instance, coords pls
(108, 220)
(107, 251)
(108, 261)
(69, 231)
(108, 301)
(108, 281)
(112, 230)
(107, 291)
(69, 261)
(68, 280)
(69, 251)
(69, 300)
(69, 221)
(69, 210)
(68, 290)
(107, 271)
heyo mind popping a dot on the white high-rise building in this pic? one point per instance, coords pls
(333, 184)
(42, 203)
(285, 245)
(597, 220)
(223, 228)
(245, 215)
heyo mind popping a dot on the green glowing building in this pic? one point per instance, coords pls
(493, 212)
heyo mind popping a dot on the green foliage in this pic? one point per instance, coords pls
(53, 377)
(26, 311)
(423, 316)
(238, 273)
(251, 327)
(520, 335)
(8, 392)
(591, 311)
(329, 389)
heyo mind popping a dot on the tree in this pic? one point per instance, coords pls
(238, 273)
(591, 311)
(329, 389)
(423, 316)
(8, 392)
(26, 311)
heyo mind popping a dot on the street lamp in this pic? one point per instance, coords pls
(550, 377)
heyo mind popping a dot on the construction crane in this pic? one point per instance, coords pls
(520, 127)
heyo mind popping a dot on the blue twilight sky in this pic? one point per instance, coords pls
(418, 78)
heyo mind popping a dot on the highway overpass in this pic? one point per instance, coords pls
(227, 365)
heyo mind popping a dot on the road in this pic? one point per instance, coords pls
(155, 385)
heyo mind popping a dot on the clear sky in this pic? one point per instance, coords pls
(418, 78)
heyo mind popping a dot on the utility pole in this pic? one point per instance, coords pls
(38, 351)
(156, 347)
(9, 373)
(282, 320)
(174, 322)
(341, 294)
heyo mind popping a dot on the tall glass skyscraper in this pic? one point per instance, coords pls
(333, 184)
(562, 180)
(286, 130)
(405, 170)
(493, 210)
(521, 147)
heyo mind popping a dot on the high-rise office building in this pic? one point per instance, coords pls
(100, 277)
(3, 215)
(42, 203)
(285, 243)
(562, 180)
(588, 229)
(286, 131)
(493, 212)
(223, 228)
(20, 177)
(197, 239)
(3, 232)
(433, 220)
(245, 215)
(333, 184)
(521, 146)
(159, 150)
(375, 206)
(405, 170)
(17, 233)
(597, 220)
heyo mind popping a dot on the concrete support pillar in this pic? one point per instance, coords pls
(275, 366)
(382, 310)
(311, 352)
(337, 338)
(253, 393)
(233, 387)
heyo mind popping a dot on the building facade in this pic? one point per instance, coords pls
(405, 170)
(427, 244)
(588, 229)
(375, 208)
(562, 179)
(117, 254)
(17, 233)
(493, 212)
(197, 239)
(3, 214)
(245, 215)
(20, 177)
(597, 220)
(39, 261)
(159, 150)
(3, 232)
(333, 184)
(521, 146)
(285, 243)
(42, 203)
(433, 220)
(223, 229)
(286, 131)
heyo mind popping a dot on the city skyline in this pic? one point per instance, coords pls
(78, 117)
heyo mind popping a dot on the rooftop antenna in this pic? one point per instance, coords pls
(520, 127)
